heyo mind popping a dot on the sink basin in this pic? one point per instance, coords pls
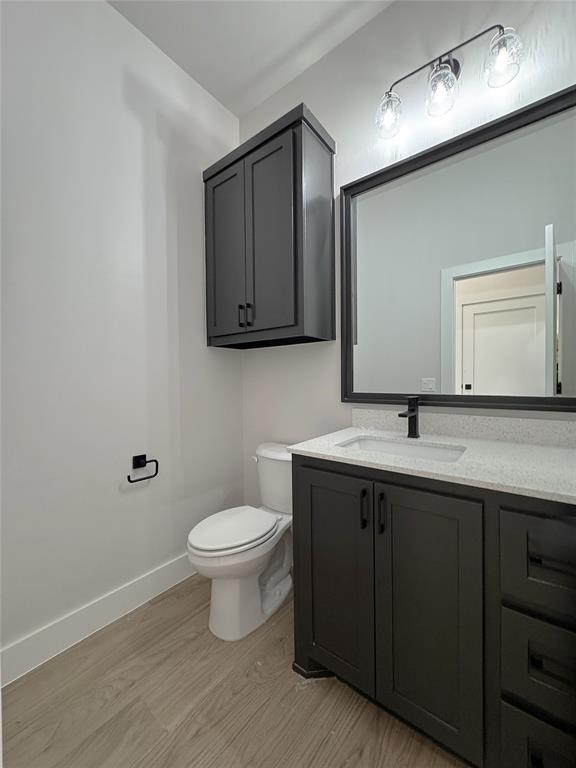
(414, 447)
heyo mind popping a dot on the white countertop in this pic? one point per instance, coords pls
(540, 471)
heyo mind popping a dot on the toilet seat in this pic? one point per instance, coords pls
(232, 530)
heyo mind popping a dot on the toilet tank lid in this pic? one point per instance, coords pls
(273, 451)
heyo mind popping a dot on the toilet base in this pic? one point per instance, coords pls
(238, 606)
(274, 599)
(247, 586)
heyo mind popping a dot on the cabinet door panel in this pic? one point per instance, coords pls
(334, 529)
(428, 567)
(270, 241)
(225, 252)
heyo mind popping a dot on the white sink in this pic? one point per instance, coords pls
(408, 447)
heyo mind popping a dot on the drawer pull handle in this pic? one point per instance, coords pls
(363, 514)
(553, 670)
(536, 662)
(551, 564)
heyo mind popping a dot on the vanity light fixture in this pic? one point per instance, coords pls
(501, 67)
(442, 87)
(388, 115)
(504, 57)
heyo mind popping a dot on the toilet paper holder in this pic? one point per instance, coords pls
(139, 462)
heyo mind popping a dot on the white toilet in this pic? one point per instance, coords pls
(247, 551)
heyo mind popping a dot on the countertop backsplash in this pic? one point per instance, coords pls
(511, 429)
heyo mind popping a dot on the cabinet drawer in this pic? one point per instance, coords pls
(530, 743)
(539, 664)
(538, 562)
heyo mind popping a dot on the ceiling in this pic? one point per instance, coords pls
(242, 51)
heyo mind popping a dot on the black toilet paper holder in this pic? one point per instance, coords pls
(139, 462)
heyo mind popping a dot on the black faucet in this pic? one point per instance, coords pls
(411, 413)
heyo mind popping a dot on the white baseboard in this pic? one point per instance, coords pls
(34, 649)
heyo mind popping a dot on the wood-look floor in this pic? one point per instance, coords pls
(157, 690)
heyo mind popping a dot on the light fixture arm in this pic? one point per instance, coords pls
(448, 53)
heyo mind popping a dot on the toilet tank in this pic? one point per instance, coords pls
(275, 476)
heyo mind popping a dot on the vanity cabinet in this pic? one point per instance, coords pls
(269, 238)
(451, 606)
(389, 598)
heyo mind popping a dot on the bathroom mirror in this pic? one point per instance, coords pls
(459, 269)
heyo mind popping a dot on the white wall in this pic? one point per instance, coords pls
(294, 393)
(104, 141)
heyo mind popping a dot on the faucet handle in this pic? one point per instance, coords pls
(413, 402)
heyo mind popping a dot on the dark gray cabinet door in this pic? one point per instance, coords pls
(270, 240)
(225, 252)
(428, 592)
(335, 579)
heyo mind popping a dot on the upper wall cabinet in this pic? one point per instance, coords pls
(270, 238)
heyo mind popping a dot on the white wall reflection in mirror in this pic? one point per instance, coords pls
(456, 266)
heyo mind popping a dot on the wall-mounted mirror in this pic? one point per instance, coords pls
(459, 269)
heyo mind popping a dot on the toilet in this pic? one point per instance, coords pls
(247, 551)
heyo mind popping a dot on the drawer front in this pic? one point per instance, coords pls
(538, 562)
(539, 664)
(530, 743)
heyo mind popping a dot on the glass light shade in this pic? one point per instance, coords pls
(442, 90)
(504, 57)
(388, 115)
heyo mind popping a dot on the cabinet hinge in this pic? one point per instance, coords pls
(558, 387)
(559, 287)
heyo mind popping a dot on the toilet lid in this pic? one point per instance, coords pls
(233, 528)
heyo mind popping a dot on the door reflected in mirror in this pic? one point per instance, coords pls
(499, 333)
(463, 273)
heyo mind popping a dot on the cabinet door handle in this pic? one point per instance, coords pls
(241, 308)
(363, 512)
(381, 513)
(249, 307)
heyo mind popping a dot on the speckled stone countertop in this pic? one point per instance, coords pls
(540, 471)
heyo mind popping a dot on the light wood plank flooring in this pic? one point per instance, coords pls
(157, 690)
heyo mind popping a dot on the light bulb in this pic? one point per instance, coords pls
(388, 115)
(504, 56)
(442, 89)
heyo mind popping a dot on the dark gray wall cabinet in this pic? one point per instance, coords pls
(270, 238)
(452, 607)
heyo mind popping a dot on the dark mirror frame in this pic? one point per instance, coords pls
(558, 102)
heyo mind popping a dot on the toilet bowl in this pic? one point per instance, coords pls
(247, 551)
